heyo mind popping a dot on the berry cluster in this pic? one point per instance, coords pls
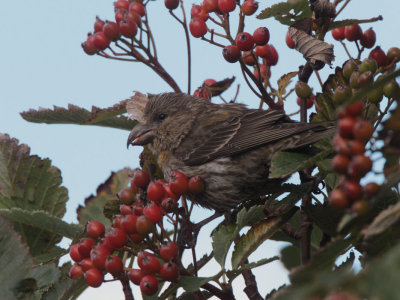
(351, 161)
(131, 232)
(128, 19)
(354, 33)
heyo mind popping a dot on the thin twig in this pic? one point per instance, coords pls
(341, 9)
(319, 78)
(212, 42)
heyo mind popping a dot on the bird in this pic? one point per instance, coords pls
(230, 146)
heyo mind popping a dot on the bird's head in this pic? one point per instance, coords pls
(166, 120)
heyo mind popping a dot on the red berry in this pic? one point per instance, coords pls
(135, 17)
(120, 15)
(138, 8)
(289, 41)
(88, 46)
(261, 36)
(144, 225)
(135, 275)
(196, 185)
(198, 12)
(74, 253)
(150, 264)
(178, 183)
(169, 271)
(245, 41)
(149, 285)
(98, 256)
(75, 271)
(153, 211)
(117, 220)
(155, 192)
(117, 237)
(125, 210)
(128, 28)
(371, 189)
(197, 27)
(265, 72)
(106, 243)
(86, 264)
(309, 102)
(210, 5)
(168, 251)
(354, 110)
(231, 53)
(338, 199)
(249, 7)
(141, 178)
(379, 56)
(352, 189)
(169, 205)
(111, 30)
(262, 51)
(100, 40)
(226, 6)
(95, 229)
(136, 238)
(359, 166)
(98, 25)
(249, 58)
(126, 195)
(94, 277)
(353, 32)
(339, 33)
(340, 163)
(84, 247)
(138, 209)
(363, 130)
(114, 265)
(272, 57)
(128, 223)
(121, 4)
(171, 4)
(368, 38)
(346, 126)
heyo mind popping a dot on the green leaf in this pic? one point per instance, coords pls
(53, 253)
(107, 191)
(325, 217)
(323, 260)
(343, 23)
(107, 117)
(44, 221)
(45, 276)
(260, 232)
(224, 235)
(30, 183)
(286, 163)
(287, 12)
(290, 257)
(15, 261)
(192, 284)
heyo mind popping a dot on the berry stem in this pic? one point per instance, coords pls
(212, 40)
(126, 287)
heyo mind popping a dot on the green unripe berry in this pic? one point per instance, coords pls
(375, 96)
(393, 54)
(354, 79)
(303, 90)
(368, 64)
(342, 94)
(390, 88)
(365, 78)
(348, 69)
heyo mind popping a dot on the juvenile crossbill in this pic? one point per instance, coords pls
(228, 145)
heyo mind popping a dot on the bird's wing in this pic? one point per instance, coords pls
(238, 133)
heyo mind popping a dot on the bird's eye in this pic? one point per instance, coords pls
(162, 116)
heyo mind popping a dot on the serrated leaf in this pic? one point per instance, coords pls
(44, 221)
(343, 23)
(290, 257)
(30, 183)
(224, 235)
(192, 284)
(45, 275)
(284, 81)
(221, 86)
(222, 239)
(284, 163)
(94, 204)
(260, 232)
(287, 12)
(47, 255)
(15, 261)
(313, 50)
(107, 117)
(322, 260)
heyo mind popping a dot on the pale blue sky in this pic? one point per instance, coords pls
(42, 64)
